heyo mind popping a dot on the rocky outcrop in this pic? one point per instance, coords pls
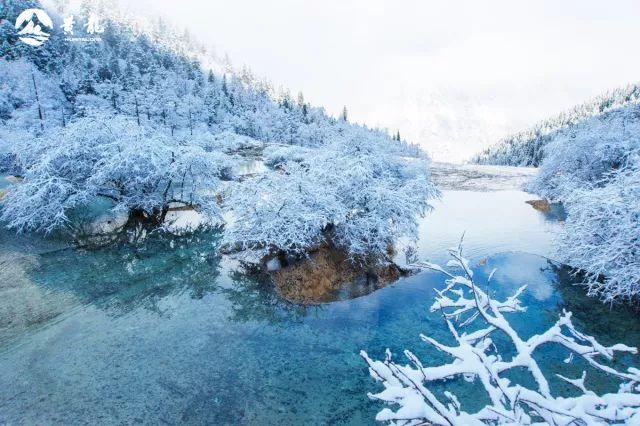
(328, 274)
(541, 205)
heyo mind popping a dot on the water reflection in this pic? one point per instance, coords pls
(615, 323)
(123, 278)
(253, 298)
(556, 213)
(118, 279)
(494, 222)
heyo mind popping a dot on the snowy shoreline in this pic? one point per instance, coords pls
(474, 177)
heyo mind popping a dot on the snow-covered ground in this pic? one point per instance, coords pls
(473, 177)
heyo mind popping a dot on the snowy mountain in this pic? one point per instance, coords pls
(450, 124)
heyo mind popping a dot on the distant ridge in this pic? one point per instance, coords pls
(526, 148)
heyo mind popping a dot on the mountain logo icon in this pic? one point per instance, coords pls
(32, 26)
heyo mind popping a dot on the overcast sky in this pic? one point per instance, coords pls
(453, 76)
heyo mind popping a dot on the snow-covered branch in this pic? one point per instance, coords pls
(476, 356)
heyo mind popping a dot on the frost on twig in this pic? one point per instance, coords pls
(407, 387)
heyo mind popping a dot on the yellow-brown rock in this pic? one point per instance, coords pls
(540, 205)
(326, 271)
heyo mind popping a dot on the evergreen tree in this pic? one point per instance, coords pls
(147, 76)
(225, 88)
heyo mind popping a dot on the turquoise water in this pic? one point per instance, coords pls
(167, 332)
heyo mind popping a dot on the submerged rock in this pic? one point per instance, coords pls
(184, 219)
(328, 274)
(107, 223)
(23, 302)
(3, 193)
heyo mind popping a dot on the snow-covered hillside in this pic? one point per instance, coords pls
(136, 123)
(527, 148)
(593, 168)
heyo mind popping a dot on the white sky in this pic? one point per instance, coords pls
(453, 76)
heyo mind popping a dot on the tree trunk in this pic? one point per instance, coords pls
(40, 113)
(113, 99)
(137, 110)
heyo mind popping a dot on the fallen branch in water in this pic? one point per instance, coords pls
(476, 356)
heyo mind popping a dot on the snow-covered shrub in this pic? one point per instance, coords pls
(584, 154)
(476, 356)
(602, 233)
(139, 170)
(226, 141)
(352, 194)
(275, 155)
(285, 210)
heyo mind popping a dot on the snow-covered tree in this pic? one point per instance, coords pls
(139, 170)
(602, 233)
(354, 194)
(345, 115)
(479, 355)
(583, 154)
(383, 194)
(286, 210)
(593, 169)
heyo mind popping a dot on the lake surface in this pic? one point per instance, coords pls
(167, 332)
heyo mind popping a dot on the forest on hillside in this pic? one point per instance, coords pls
(527, 148)
(144, 121)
